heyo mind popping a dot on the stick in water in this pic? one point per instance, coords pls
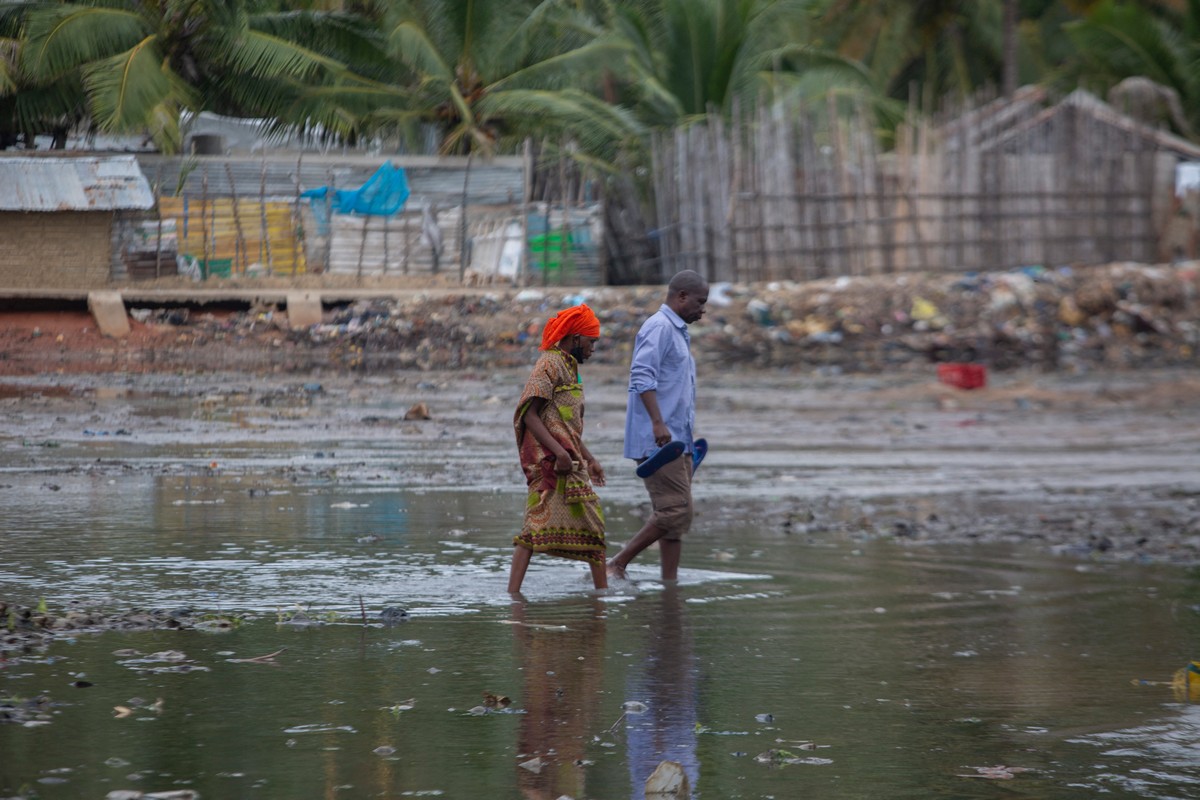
(257, 659)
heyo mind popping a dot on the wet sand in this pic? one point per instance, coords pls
(1099, 466)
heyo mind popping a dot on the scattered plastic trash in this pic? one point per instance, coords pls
(1185, 683)
(718, 295)
(962, 376)
(997, 773)
(668, 781)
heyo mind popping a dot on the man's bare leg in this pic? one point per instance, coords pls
(520, 563)
(670, 550)
(648, 535)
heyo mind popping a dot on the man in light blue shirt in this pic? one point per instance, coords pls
(662, 408)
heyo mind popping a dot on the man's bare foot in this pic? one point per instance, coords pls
(615, 572)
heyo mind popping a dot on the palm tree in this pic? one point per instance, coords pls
(28, 108)
(945, 48)
(141, 64)
(484, 74)
(690, 57)
(1116, 41)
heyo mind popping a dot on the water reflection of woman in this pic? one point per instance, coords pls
(563, 676)
(665, 682)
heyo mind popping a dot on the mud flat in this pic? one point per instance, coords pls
(1093, 466)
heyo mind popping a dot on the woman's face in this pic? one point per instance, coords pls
(582, 347)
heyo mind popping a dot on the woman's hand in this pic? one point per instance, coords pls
(596, 472)
(563, 463)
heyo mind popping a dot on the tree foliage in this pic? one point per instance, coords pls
(481, 75)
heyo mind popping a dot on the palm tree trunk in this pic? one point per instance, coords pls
(1010, 47)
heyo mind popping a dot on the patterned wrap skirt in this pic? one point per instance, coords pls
(562, 512)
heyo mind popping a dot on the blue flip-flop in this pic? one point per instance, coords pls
(699, 451)
(660, 457)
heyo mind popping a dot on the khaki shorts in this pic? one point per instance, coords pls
(671, 497)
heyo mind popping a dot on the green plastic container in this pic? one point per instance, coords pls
(216, 267)
(548, 251)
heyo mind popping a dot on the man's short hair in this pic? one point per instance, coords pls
(687, 280)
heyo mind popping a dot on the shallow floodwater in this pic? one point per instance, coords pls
(775, 669)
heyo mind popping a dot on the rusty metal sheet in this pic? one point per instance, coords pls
(94, 183)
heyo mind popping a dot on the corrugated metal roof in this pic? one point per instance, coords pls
(106, 183)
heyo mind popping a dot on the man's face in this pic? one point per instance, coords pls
(691, 305)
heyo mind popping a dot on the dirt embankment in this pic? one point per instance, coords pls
(1117, 316)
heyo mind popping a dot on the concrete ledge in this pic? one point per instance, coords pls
(303, 309)
(251, 295)
(109, 311)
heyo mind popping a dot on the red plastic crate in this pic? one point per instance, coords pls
(963, 376)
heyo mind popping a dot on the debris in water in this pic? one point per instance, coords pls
(780, 756)
(997, 773)
(496, 700)
(534, 765)
(402, 706)
(269, 658)
(393, 615)
(668, 780)
(418, 411)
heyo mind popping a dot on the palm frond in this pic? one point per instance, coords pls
(13, 14)
(163, 126)
(414, 48)
(567, 69)
(261, 55)
(802, 57)
(9, 48)
(39, 108)
(1119, 40)
(125, 90)
(62, 38)
(362, 101)
(595, 123)
(349, 38)
(664, 106)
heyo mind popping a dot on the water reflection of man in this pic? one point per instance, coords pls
(563, 676)
(666, 683)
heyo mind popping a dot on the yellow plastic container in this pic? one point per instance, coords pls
(1186, 683)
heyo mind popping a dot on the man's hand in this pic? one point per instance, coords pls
(662, 434)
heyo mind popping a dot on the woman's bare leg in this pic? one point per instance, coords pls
(520, 563)
(599, 575)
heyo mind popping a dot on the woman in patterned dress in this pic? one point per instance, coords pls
(562, 512)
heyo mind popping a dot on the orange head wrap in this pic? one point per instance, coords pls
(576, 319)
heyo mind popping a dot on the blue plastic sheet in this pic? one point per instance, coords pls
(382, 195)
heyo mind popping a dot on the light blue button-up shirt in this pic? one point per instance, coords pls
(662, 361)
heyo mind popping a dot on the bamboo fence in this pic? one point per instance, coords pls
(802, 194)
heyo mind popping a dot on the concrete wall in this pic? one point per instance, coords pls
(55, 250)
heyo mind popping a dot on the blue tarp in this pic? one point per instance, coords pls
(382, 195)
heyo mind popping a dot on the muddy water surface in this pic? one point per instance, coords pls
(784, 664)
